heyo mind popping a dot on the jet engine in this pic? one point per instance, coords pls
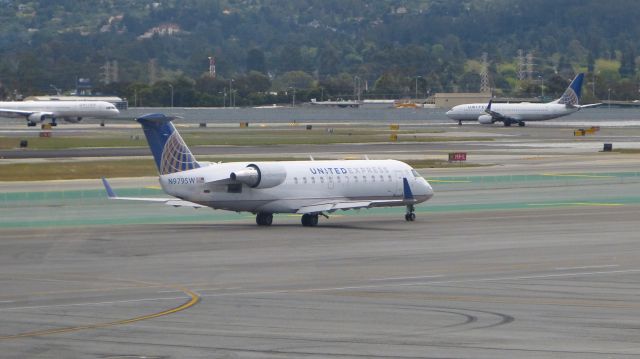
(485, 119)
(36, 117)
(263, 175)
(72, 119)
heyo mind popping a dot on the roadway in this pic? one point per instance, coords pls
(494, 267)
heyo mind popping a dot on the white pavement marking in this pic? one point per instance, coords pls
(401, 278)
(328, 289)
(391, 285)
(588, 267)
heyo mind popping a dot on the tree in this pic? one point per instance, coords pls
(256, 61)
(628, 63)
(555, 86)
(296, 79)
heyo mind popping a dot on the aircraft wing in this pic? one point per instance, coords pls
(496, 115)
(346, 204)
(168, 201)
(333, 206)
(5, 112)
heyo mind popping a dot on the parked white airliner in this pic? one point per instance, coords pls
(69, 111)
(309, 188)
(511, 113)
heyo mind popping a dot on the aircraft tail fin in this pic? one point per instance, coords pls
(571, 96)
(169, 150)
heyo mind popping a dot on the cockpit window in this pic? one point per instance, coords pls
(415, 174)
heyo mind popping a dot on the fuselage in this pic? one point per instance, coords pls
(61, 109)
(306, 183)
(517, 111)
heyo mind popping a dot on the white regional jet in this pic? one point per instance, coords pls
(511, 113)
(70, 111)
(309, 188)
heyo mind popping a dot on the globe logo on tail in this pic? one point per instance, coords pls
(569, 97)
(176, 156)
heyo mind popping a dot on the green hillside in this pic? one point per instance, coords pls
(323, 49)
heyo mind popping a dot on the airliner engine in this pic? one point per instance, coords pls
(263, 175)
(36, 117)
(485, 119)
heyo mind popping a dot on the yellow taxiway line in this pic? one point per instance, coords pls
(594, 204)
(446, 181)
(575, 175)
(194, 298)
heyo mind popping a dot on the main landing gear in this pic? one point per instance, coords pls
(410, 216)
(508, 123)
(309, 220)
(264, 219)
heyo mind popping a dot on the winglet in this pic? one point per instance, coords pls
(406, 192)
(107, 187)
(488, 109)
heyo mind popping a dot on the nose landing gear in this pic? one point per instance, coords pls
(410, 216)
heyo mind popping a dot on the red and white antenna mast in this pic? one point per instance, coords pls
(212, 67)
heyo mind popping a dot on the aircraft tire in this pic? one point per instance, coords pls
(410, 217)
(507, 123)
(521, 124)
(264, 219)
(309, 220)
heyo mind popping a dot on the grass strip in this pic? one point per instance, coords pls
(233, 138)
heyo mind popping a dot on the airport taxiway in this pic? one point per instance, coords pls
(527, 266)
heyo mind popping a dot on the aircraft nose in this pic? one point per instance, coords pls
(451, 114)
(428, 189)
(425, 191)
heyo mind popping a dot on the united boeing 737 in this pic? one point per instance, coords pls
(308, 188)
(512, 113)
(69, 111)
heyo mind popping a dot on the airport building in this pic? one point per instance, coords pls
(448, 100)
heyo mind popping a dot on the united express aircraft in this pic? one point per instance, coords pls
(512, 113)
(309, 188)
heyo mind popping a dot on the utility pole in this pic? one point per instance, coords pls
(170, 85)
(293, 98)
(417, 77)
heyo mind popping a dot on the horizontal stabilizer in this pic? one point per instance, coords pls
(175, 202)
